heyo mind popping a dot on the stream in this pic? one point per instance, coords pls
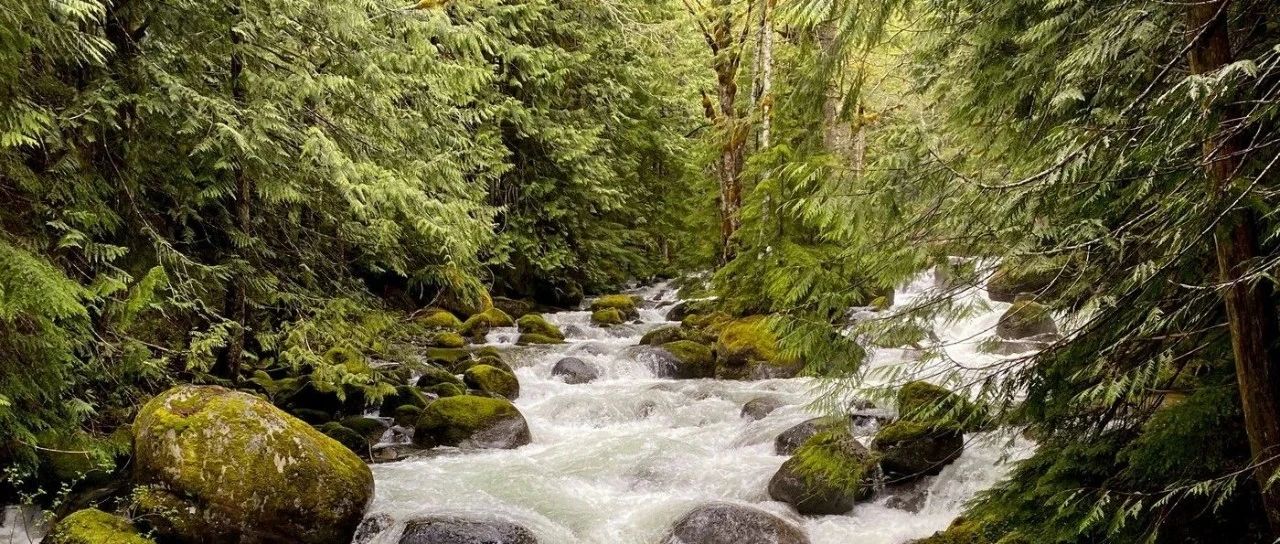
(617, 460)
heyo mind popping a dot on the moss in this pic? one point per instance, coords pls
(433, 375)
(625, 304)
(535, 324)
(453, 420)
(1025, 318)
(910, 450)
(664, 335)
(961, 531)
(533, 338)
(346, 436)
(407, 415)
(404, 395)
(712, 323)
(461, 366)
(493, 380)
(749, 339)
(447, 339)
(607, 317)
(78, 457)
(447, 355)
(901, 431)
(469, 299)
(479, 325)
(436, 318)
(698, 360)
(93, 526)
(446, 390)
(290, 477)
(514, 308)
(487, 351)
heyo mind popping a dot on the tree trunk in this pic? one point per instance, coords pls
(766, 72)
(236, 305)
(725, 62)
(1250, 313)
(837, 133)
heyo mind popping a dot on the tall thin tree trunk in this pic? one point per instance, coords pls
(236, 304)
(766, 72)
(837, 131)
(732, 154)
(1250, 312)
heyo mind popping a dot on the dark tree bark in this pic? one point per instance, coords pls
(236, 306)
(1250, 312)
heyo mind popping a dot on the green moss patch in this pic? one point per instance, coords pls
(607, 317)
(493, 380)
(625, 304)
(479, 325)
(94, 526)
(436, 318)
(457, 420)
(533, 338)
(535, 324)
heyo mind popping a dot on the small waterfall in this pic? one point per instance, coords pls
(617, 460)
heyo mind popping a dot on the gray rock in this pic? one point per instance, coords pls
(759, 408)
(820, 494)
(724, 523)
(575, 371)
(371, 527)
(791, 439)
(458, 530)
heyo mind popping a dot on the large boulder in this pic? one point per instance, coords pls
(760, 408)
(686, 308)
(437, 318)
(513, 307)
(607, 317)
(433, 375)
(695, 360)
(575, 371)
(910, 450)
(725, 523)
(830, 472)
(1011, 280)
(493, 380)
(93, 526)
(535, 324)
(791, 439)
(478, 326)
(458, 530)
(469, 421)
(747, 349)
(625, 304)
(226, 466)
(663, 335)
(1024, 319)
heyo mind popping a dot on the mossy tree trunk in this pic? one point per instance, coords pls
(1250, 312)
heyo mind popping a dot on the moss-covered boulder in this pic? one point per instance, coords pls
(538, 325)
(923, 402)
(747, 350)
(442, 390)
(479, 325)
(493, 380)
(444, 339)
(710, 323)
(966, 531)
(909, 450)
(245, 471)
(370, 428)
(607, 317)
(828, 474)
(407, 415)
(1024, 319)
(789, 441)
(93, 526)
(625, 304)
(512, 307)
(686, 308)
(434, 375)
(1013, 279)
(696, 360)
(469, 421)
(346, 436)
(675, 333)
(436, 318)
(462, 365)
(469, 299)
(533, 339)
(404, 395)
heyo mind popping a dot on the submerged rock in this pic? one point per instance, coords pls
(93, 526)
(219, 465)
(468, 421)
(848, 474)
(575, 371)
(459, 530)
(759, 408)
(725, 523)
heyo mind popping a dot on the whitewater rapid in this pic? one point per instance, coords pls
(616, 461)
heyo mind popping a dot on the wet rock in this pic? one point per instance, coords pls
(725, 523)
(870, 418)
(458, 530)
(533, 339)
(574, 331)
(1024, 319)
(624, 304)
(371, 527)
(493, 380)
(434, 375)
(759, 408)
(695, 360)
(1025, 345)
(791, 439)
(910, 450)
(910, 496)
(607, 317)
(479, 325)
(468, 421)
(850, 475)
(686, 308)
(405, 395)
(663, 335)
(575, 371)
(93, 526)
(661, 362)
(535, 324)
(353, 440)
(512, 307)
(292, 483)
(1012, 280)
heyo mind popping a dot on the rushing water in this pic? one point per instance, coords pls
(619, 459)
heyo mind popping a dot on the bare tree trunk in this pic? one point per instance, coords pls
(1250, 313)
(236, 304)
(766, 72)
(837, 135)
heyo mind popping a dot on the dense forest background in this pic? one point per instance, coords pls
(246, 192)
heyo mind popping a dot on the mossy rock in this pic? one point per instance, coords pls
(607, 317)
(479, 325)
(962, 531)
(442, 390)
(246, 470)
(672, 333)
(513, 307)
(929, 404)
(434, 375)
(447, 339)
(461, 366)
(747, 349)
(486, 351)
(445, 356)
(407, 415)
(529, 338)
(346, 436)
(686, 308)
(1024, 319)
(436, 318)
(536, 325)
(828, 474)
(370, 428)
(910, 450)
(711, 323)
(696, 360)
(310, 416)
(403, 395)
(471, 299)
(93, 526)
(1036, 278)
(470, 421)
(493, 380)
(625, 304)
